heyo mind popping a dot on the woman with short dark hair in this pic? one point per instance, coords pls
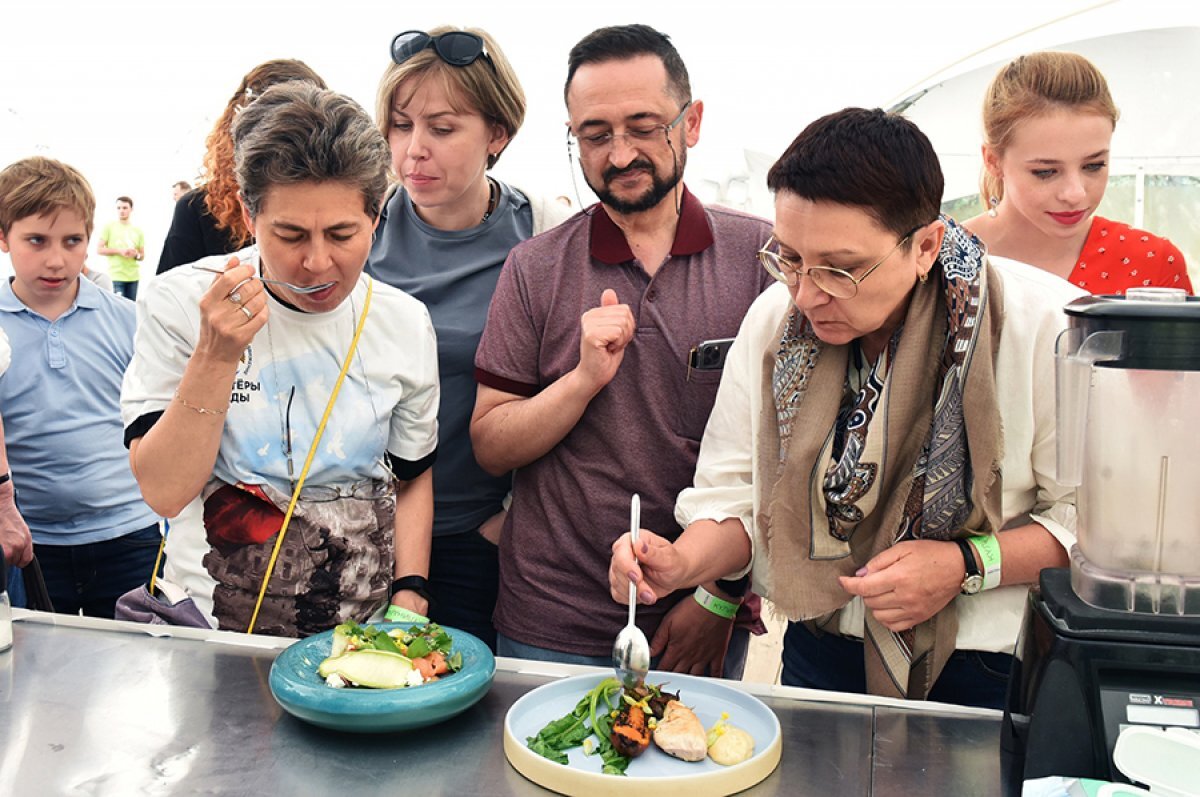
(883, 442)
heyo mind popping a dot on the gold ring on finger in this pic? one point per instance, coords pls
(246, 310)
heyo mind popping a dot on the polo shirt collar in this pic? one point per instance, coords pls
(9, 303)
(692, 235)
(89, 294)
(87, 298)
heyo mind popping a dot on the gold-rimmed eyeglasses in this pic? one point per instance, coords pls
(837, 282)
(596, 143)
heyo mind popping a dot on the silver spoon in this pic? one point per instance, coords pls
(631, 651)
(288, 285)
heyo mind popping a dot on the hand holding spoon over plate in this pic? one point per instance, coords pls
(631, 651)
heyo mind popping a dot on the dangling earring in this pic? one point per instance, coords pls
(924, 278)
(993, 200)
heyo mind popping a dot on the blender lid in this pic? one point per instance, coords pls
(1140, 303)
(1160, 327)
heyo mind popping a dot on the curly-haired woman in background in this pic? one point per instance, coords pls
(208, 220)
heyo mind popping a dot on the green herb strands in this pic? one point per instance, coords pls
(570, 731)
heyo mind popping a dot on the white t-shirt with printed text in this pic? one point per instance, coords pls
(387, 404)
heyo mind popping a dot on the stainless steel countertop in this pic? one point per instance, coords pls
(103, 708)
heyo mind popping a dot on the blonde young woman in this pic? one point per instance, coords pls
(1048, 122)
(449, 104)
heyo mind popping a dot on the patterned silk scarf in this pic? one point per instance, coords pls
(911, 453)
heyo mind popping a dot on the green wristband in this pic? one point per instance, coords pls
(718, 606)
(398, 614)
(988, 546)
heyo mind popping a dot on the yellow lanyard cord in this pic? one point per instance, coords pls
(162, 543)
(312, 450)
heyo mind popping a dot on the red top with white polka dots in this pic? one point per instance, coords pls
(1117, 257)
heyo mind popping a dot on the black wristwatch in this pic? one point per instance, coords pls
(972, 581)
(414, 583)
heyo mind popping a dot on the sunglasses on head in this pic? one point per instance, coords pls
(457, 48)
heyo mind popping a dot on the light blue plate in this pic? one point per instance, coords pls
(654, 770)
(304, 694)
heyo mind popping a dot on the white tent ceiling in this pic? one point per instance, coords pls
(1149, 51)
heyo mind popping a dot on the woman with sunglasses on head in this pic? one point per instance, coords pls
(882, 441)
(208, 219)
(1048, 122)
(449, 104)
(271, 411)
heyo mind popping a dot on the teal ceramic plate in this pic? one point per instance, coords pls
(303, 694)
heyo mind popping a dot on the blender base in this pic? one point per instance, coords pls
(1083, 674)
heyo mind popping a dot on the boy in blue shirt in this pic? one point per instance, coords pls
(71, 342)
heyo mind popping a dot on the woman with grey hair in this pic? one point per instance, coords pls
(273, 395)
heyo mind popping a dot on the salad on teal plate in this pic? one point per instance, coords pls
(313, 679)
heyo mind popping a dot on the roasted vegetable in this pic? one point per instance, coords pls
(630, 732)
(653, 699)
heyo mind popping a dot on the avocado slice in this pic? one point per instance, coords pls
(378, 669)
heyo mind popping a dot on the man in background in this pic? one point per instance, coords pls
(125, 247)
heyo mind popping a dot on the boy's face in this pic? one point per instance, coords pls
(123, 210)
(47, 252)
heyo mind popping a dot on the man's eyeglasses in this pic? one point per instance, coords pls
(838, 283)
(456, 47)
(635, 135)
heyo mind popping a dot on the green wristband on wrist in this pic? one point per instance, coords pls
(398, 614)
(718, 606)
(988, 546)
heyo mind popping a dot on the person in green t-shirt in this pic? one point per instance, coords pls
(124, 246)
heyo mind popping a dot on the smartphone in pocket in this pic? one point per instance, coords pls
(709, 355)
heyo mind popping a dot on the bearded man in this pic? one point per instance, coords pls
(600, 363)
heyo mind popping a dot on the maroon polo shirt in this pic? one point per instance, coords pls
(641, 433)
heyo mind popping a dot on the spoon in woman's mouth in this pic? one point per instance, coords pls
(281, 283)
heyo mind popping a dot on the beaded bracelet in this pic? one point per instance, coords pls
(194, 408)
